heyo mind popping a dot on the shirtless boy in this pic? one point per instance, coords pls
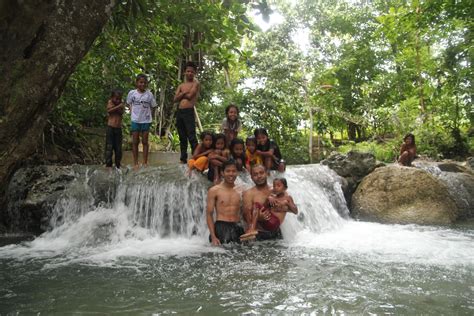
(225, 200)
(186, 95)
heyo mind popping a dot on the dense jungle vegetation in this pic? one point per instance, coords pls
(365, 72)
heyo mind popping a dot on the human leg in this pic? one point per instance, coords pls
(108, 147)
(135, 141)
(190, 125)
(118, 146)
(183, 142)
(404, 159)
(145, 147)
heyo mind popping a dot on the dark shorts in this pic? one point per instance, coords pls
(266, 235)
(227, 232)
(140, 127)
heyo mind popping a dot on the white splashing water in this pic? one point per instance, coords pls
(161, 212)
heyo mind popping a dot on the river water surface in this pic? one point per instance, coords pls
(143, 250)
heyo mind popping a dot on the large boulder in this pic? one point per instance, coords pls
(353, 167)
(404, 195)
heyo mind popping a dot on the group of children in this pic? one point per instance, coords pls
(141, 104)
(215, 149)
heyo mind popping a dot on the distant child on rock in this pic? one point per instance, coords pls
(278, 203)
(407, 150)
(219, 155)
(142, 104)
(200, 160)
(251, 156)
(269, 151)
(113, 138)
(237, 152)
(231, 125)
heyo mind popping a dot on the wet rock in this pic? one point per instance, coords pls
(470, 162)
(353, 167)
(404, 195)
(31, 193)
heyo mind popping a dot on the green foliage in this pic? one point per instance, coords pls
(383, 151)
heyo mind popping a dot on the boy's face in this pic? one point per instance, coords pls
(238, 150)
(251, 146)
(141, 84)
(278, 187)
(116, 99)
(207, 141)
(262, 139)
(232, 114)
(220, 143)
(230, 174)
(190, 73)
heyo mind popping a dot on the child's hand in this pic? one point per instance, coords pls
(272, 201)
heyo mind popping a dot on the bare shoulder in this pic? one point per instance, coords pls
(249, 192)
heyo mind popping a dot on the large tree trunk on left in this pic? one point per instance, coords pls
(41, 44)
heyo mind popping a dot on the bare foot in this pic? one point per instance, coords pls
(136, 167)
(249, 233)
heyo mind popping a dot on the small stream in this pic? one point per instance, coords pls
(142, 249)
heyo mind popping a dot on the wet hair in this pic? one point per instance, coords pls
(230, 106)
(259, 131)
(282, 180)
(116, 92)
(251, 139)
(235, 141)
(192, 65)
(141, 76)
(230, 162)
(409, 135)
(217, 137)
(206, 133)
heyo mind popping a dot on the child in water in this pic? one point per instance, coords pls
(269, 151)
(113, 138)
(407, 150)
(200, 160)
(251, 156)
(278, 203)
(237, 152)
(219, 155)
(231, 125)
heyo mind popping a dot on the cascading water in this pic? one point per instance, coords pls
(136, 243)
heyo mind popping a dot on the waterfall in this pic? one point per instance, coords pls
(163, 202)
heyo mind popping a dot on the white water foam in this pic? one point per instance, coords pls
(161, 213)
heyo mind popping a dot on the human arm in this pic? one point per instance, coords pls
(199, 152)
(111, 107)
(211, 203)
(292, 206)
(193, 91)
(179, 94)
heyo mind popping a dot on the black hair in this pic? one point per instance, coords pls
(251, 139)
(141, 76)
(259, 131)
(409, 135)
(191, 64)
(116, 92)
(230, 162)
(217, 137)
(207, 133)
(230, 106)
(234, 142)
(282, 180)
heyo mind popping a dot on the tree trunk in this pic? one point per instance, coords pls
(42, 42)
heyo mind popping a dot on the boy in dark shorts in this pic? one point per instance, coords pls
(225, 201)
(113, 138)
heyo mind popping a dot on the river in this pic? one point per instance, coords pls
(142, 249)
